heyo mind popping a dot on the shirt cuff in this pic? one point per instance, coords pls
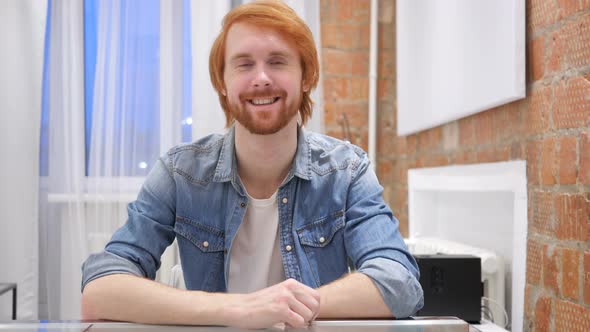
(400, 290)
(105, 263)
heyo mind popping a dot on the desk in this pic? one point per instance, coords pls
(420, 325)
(5, 287)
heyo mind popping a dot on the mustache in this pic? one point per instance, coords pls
(262, 94)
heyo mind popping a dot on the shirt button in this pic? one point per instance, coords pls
(322, 240)
(285, 200)
(243, 204)
(288, 248)
(205, 244)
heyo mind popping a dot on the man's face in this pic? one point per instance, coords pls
(262, 78)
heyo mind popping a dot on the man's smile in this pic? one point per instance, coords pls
(263, 101)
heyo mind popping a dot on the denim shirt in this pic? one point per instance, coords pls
(331, 217)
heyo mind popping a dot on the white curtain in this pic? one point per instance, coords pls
(84, 196)
(206, 19)
(22, 27)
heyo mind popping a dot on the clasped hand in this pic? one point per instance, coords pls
(289, 302)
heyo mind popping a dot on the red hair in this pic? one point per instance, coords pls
(273, 14)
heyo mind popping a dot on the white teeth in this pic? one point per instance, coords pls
(263, 101)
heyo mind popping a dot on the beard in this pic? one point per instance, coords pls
(264, 122)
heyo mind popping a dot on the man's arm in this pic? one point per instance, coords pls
(354, 296)
(125, 297)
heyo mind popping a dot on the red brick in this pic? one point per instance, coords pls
(430, 139)
(571, 317)
(533, 153)
(534, 265)
(344, 10)
(577, 41)
(386, 64)
(400, 172)
(359, 88)
(335, 88)
(411, 144)
(572, 214)
(556, 52)
(357, 114)
(543, 314)
(483, 123)
(436, 160)
(568, 170)
(386, 35)
(550, 268)
(341, 36)
(538, 110)
(508, 120)
(385, 171)
(540, 13)
(537, 57)
(466, 133)
(549, 162)
(385, 89)
(361, 11)
(516, 151)
(570, 275)
(586, 277)
(542, 212)
(329, 33)
(336, 62)
(330, 114)
(571, 108)
(568, 7)
(502, 153)
(360, 63)
(528, 301)
(362, 37)
(486, 156)
(328, 11)
(584, 174)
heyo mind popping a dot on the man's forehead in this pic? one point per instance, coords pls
(241, 35)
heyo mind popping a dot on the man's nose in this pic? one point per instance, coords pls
(262, 79)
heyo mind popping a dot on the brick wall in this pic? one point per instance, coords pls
(550, 129)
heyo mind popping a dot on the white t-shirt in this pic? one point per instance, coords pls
(255, 256)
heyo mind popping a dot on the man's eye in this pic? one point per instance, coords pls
(244, 65)
(274, 63)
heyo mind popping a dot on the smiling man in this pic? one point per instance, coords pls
(269, 217)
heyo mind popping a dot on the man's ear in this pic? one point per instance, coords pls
(304, 86)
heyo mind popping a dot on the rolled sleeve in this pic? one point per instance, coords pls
(106, 263)
(399, 288)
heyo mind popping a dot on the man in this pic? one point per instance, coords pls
(268, 216)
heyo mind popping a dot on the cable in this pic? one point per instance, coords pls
(506, 323)
(486, 311)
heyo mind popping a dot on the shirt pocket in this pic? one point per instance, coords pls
(201, 249)
(207, 238)
(323, 243)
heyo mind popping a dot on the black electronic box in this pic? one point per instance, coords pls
(452, 286)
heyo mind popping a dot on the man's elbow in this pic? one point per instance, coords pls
(88, 303)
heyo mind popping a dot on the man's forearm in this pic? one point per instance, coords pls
(354, 296)
(124, 297)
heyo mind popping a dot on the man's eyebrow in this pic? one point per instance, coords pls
(281, 54)
(239, 56)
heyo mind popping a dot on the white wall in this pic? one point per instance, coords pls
(22, 27)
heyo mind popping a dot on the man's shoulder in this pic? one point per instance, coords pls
(196, 161)
(208, 144)
(330, 154)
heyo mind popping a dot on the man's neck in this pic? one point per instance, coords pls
(265, 160)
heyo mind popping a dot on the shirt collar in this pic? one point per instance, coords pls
(226, 169)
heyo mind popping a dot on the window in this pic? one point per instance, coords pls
(127, 123)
